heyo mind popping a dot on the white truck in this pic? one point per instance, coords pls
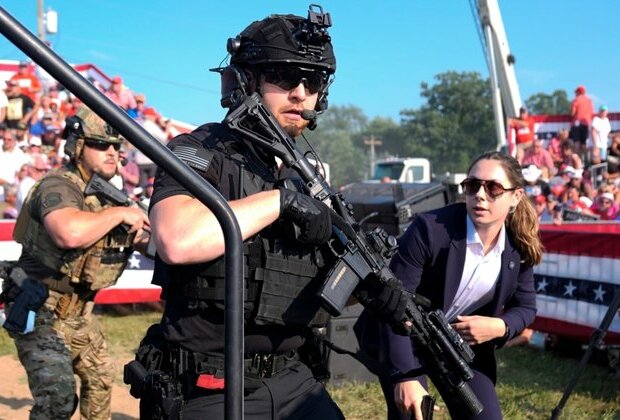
(402, 170)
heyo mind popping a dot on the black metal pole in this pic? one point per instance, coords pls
(160, 155)
(595, 341)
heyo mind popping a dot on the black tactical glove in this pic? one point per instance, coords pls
(387, 302)
(311, 216)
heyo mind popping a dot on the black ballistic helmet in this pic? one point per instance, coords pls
(286, 40)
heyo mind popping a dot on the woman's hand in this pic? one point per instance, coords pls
(408, 397)
(477, 329)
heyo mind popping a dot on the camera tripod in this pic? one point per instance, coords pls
(595, 341)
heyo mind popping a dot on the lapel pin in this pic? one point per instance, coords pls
(511, 265)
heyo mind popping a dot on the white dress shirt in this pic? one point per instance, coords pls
(480, 274)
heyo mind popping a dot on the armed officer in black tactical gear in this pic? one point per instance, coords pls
(289, 61)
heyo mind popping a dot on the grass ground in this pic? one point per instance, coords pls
(531, 382)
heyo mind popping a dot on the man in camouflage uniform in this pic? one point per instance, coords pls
(75, 245)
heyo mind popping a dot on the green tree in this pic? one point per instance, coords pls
(554, 104)
(454, 125)
(333, 142)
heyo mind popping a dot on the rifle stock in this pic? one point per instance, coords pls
(362, 258)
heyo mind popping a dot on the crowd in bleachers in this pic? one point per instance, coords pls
(32, 118)
(573, 174)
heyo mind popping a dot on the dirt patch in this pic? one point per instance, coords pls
(16, 401)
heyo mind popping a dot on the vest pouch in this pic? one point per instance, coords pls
(103, 267)
(283, 302)
(289, 289)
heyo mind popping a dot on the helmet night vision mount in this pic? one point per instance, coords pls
(278, 40)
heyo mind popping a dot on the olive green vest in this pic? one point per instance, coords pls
(97, 266)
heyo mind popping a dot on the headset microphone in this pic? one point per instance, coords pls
(308, 115)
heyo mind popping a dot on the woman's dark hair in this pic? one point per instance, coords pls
(522, 223)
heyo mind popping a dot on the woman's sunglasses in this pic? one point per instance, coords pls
(493, 189)
(289, 78)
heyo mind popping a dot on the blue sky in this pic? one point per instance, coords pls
(384, 49)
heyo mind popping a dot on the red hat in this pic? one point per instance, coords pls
(581, 89)
(150, 111)
(117, 79)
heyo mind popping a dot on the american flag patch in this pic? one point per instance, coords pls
(198, 159)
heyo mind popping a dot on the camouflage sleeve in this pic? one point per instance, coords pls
(53, 194)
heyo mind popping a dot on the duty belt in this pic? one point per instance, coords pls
(259, 365)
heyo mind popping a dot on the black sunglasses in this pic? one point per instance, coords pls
(289, 78)
(102, 146)
(494, 189)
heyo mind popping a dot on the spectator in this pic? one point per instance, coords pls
(22, 136)
(36, 169)
(96, 84)
(573, 200)
(147, 167)
(136, 112)
(524, 129)
(71, 106)
(4, 103)
(9, 211)
(569, 157)
(120, 95)
(128, 169)
(46, 107)
(580, 179)
(605, 206)
(27, 81)
(51, 137)
(145, 197)
(555, 147)
(534, 185)
(54, 95)
(169, 129)
(11, 158)
(537, 155)
(600, 134)
(545, 209)
(20, 107)
(38, 127)
(34, 146)
(581, 112)
(613, 157)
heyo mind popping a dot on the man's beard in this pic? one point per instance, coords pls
(104, 175)
(293, 130)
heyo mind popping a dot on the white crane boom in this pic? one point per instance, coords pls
(504, 87)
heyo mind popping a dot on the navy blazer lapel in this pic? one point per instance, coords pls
(455, 263)
(508, 274)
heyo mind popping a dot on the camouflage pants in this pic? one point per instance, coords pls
(57, 349)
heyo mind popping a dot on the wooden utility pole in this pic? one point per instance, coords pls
(372, 142)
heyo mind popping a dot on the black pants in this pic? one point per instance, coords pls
(291, 394)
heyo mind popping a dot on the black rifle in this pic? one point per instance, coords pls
(104, 190)
(361, 261)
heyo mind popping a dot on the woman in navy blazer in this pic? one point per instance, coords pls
(474, 261)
